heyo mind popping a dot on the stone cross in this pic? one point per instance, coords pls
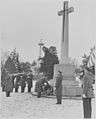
(40, 44)
(65, 33)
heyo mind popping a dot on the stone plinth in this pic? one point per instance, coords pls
(70, 87)
(68, 70)
(71, 91)
(65, 82)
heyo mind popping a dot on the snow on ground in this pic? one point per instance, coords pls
(28, 106)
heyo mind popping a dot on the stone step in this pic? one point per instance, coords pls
(65, 83)
(67, 77)
(70, 83)
(67, 69)
(71, 91)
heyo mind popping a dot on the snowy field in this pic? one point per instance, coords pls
(27, 106)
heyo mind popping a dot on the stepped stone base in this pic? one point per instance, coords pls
(68, 70)
(71, 91)
(65, 82)
(70, 87)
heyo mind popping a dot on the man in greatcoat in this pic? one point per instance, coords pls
(3, 74)
(58, 87)
(88, 94)
(8, 84)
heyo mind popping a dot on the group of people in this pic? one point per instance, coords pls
(14, 81)
(43, 87)
(22, 80)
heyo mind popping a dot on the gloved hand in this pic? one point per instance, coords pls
(84, 96)
(54, 88)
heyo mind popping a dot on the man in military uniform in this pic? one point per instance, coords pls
(16, 85)
(88, 94)
(58, 87)
(3, 74)
(8, 84)
(30, 81)
(23, 83)
(13, 78)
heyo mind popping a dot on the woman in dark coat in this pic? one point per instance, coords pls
(58, 87)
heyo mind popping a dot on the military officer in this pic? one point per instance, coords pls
(58, 87)
(30, 81)
(23, 83)
(88, 94)
(8, 84)
(17, 83)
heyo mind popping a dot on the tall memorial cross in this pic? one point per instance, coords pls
(70, 87)
(65, 33)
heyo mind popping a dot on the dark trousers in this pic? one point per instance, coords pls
(16, 89)
(22, 89)
(13, 82)
(87, 107)
(7, 93)
(3, 87)
(38, 94)
(59, 99)
(29, 89)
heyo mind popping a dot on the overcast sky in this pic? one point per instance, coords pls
(24, 22)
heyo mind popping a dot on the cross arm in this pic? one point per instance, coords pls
(71, 9)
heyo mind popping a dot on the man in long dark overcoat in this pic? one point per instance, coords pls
(3, 75)
(8, 84)
(58, 87)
